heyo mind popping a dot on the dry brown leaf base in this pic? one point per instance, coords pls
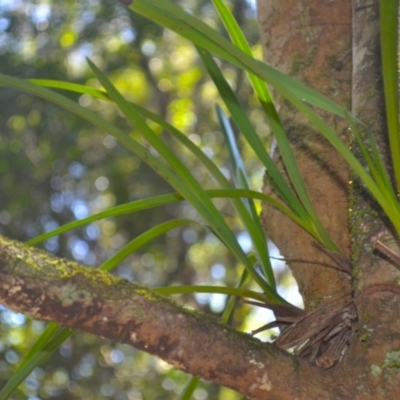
(322, 335)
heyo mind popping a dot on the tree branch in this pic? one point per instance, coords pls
(52, 289)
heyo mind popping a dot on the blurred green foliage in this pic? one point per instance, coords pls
(55, 168)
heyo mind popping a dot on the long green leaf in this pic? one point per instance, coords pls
(376, 158)
(305, 209)
(189, 388)
(212, 168)
(156, 201)
(170, 290)
(167, 14)
(256, 231)
(169, 175)
(187, 184)
(375, 165)
(142, 240)
(392, 210)
(238, 38)
(38, 358)
(389, 20)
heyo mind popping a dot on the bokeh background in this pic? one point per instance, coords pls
(55, 168)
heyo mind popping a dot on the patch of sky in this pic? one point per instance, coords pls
(261, 316)
(277, 265)
(202, 298)
(128, 35)
(56, 182)
(200, 394)
(225, 172)
(66, 349)
(68, 197)
(168, 384)
(124, 271)
(83, 370)
(86, 49)
(189, 236)
(102, 183)
(92, 231)
(10, 5)
(218, 271)
(80, 209)
(4, 24)
(76, 60)
(13, 319)
(80, 250)
(76, 170)
(290, 293)
(51, 245)
(50, 225)
(57, 202)
(116, 356)
(244, 241)
(78, 247)
(12, 357)
(217, 302)
(208, 151)
(90, 259)
(32, 383)
(41, 12)
(252, 4)
(148, 48)
(87, 17)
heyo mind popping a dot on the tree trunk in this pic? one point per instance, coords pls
(309, 40)
(319, 35)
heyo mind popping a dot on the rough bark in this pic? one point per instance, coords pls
(379, 325)
(370, 370)
(310, 41)
(367, 222)
(48, 288)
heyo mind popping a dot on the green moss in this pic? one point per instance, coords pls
(365, 333)
(367, 317)
(392, 360)
(361, 389)
(38, 263)
(365, 337)
(376, 370)
(147, 294)
(388, 377)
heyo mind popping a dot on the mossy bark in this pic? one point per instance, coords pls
(375, 277)
(48, 288)
(370, 369)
